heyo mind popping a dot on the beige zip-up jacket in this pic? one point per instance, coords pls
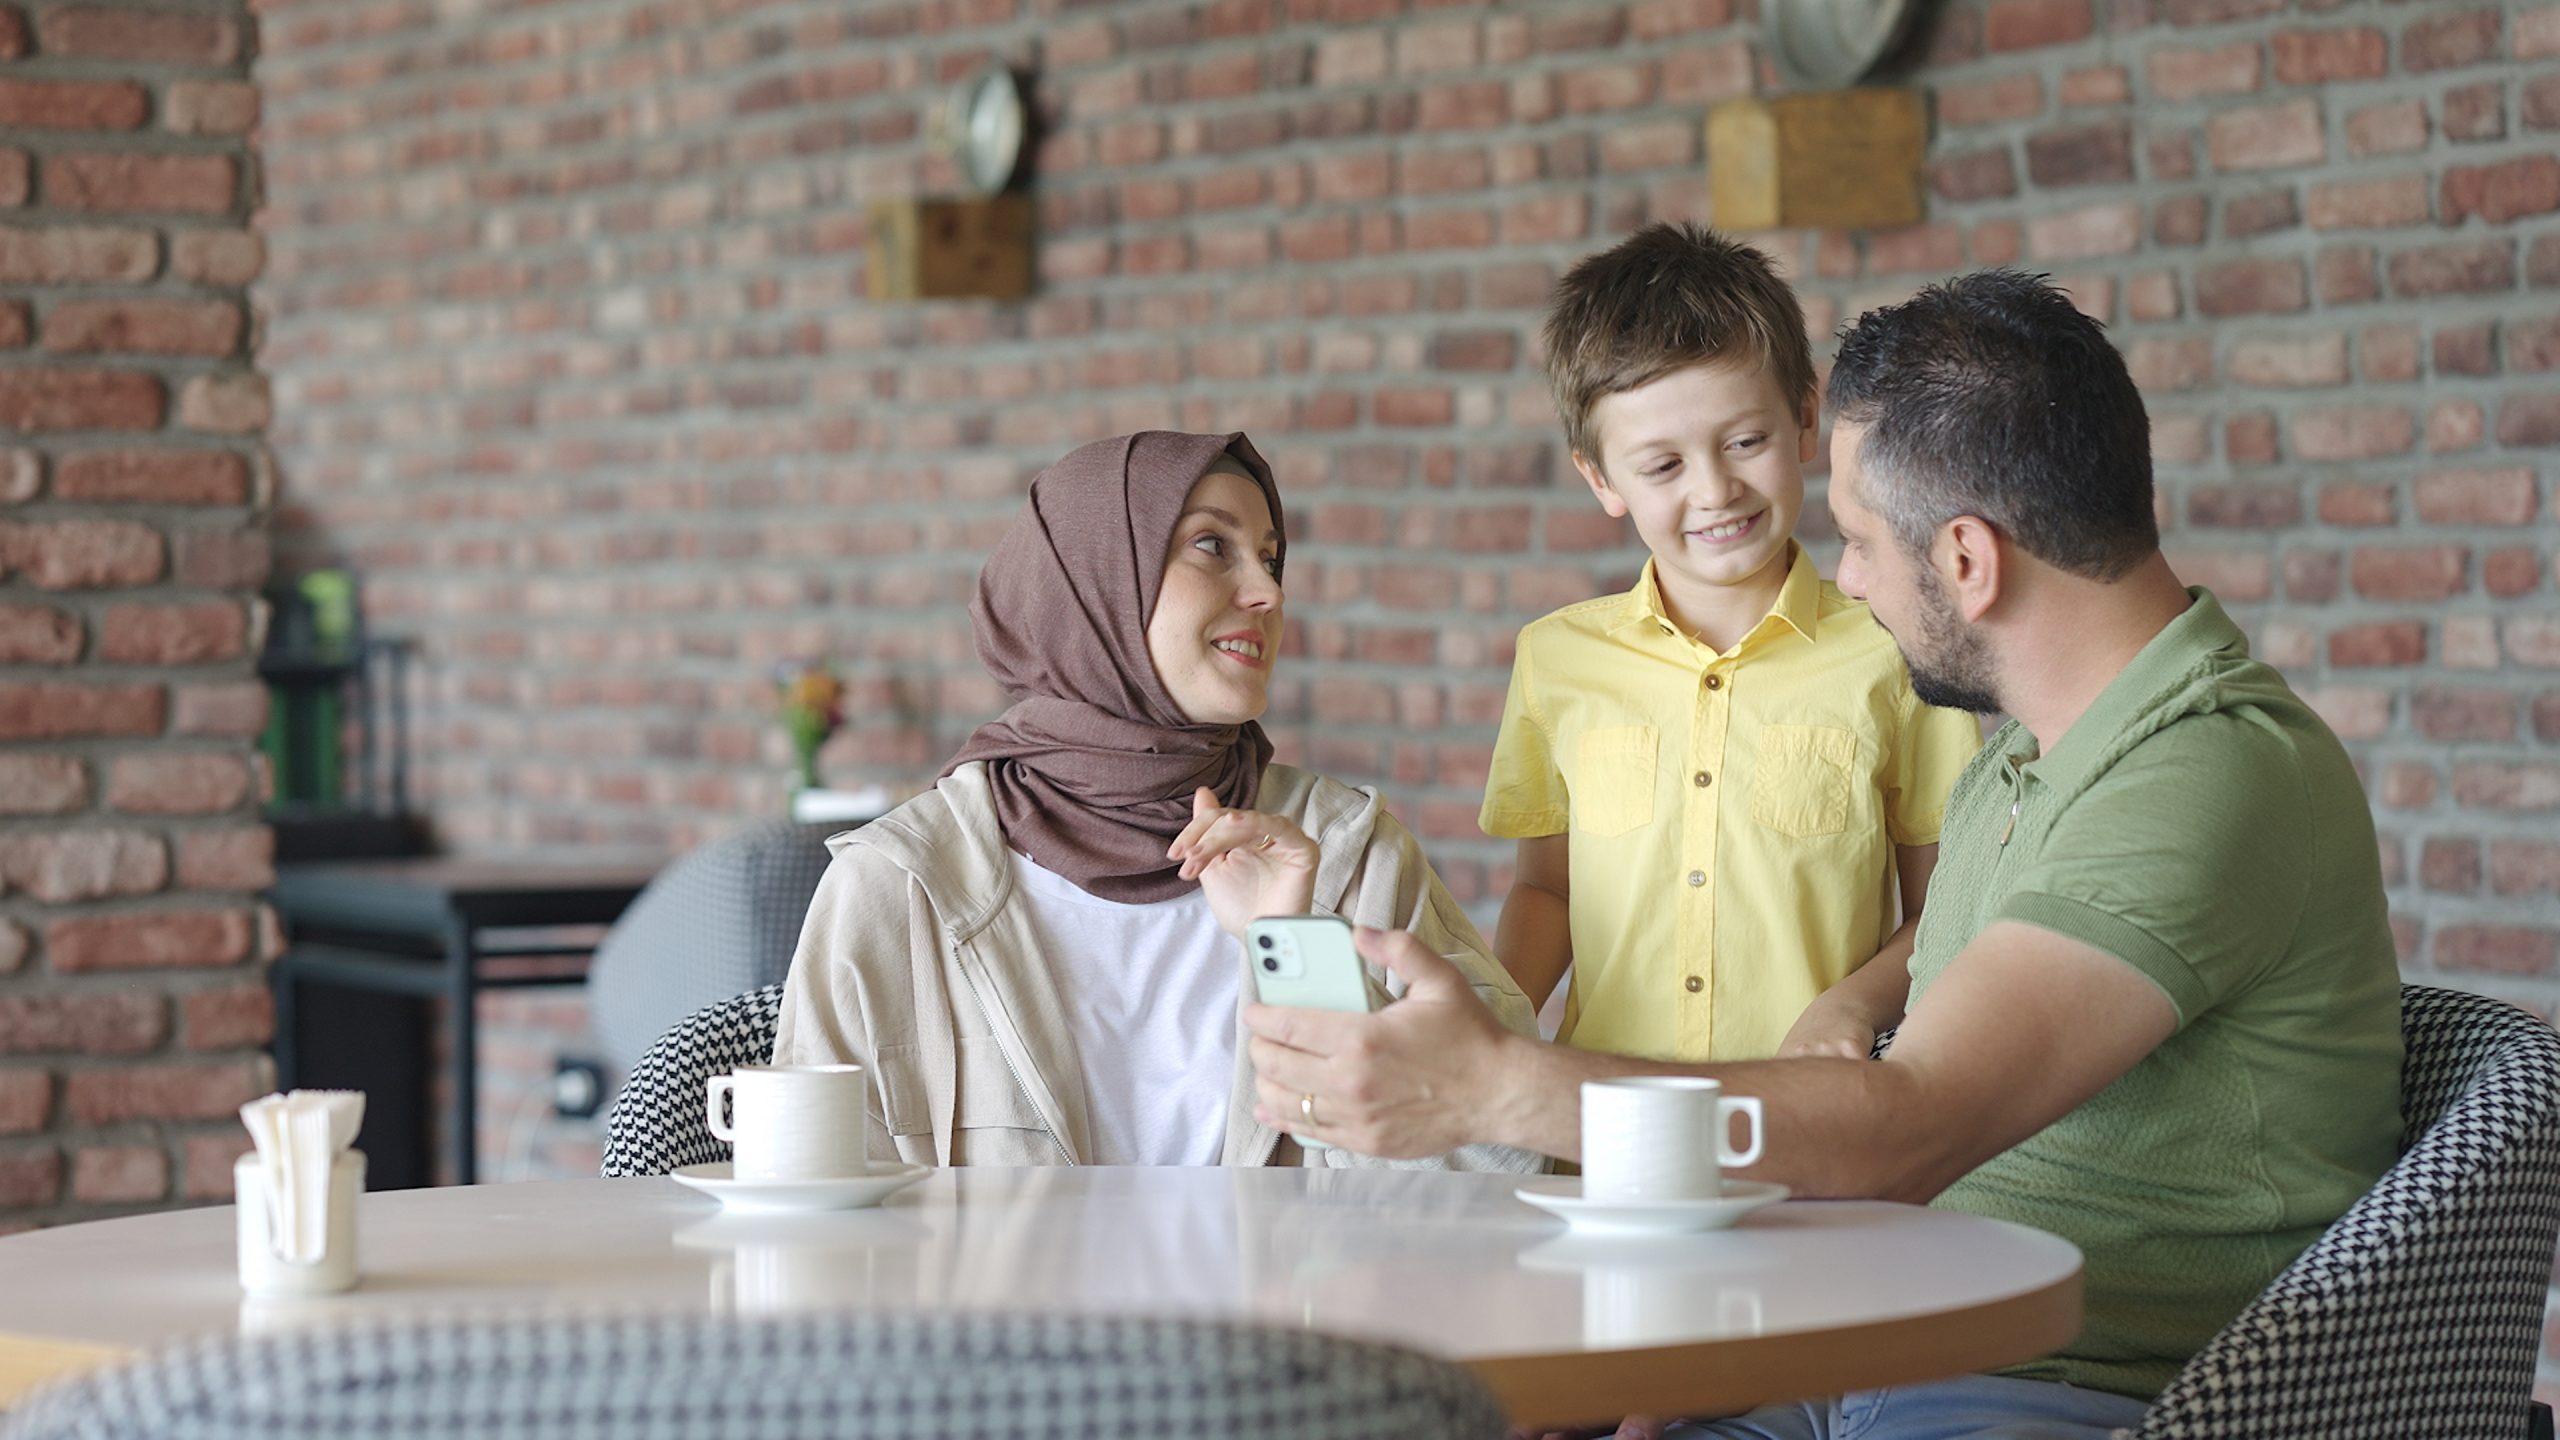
(918, 962)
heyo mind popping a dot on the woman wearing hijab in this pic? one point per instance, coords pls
(1039, 958)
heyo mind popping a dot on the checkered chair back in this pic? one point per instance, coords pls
(2419, 1313)
(657, 1123)
(720, 921)
(801, 1377)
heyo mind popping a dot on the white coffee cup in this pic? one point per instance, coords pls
(792, 1122)
(1661, 1137)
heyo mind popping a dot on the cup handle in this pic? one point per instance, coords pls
(719, 1087)
(1725, 1153)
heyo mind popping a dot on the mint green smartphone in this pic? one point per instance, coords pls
(1307, 962)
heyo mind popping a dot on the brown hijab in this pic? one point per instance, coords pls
(1094, 764)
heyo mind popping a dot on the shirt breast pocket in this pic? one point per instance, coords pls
(986, 1096)
(1613, 780)
(1800, 779)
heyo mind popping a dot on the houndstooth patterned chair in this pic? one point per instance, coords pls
(720, 921)
(657, 1122)
(804, 1377)
(2419, 1313)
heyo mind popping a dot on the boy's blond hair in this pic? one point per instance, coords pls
(1666, 298)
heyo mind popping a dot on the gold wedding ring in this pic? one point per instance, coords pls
(1307, 1109)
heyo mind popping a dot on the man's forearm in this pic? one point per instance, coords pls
(1836, 1128)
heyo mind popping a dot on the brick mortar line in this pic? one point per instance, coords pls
(151, 75)
(1405, 205)
(933, 46)
(711, 421)
(290, 317)
(102, 984)
(2481, 536)
(1072, 352)
(1562, 124)
(2338, 614)
(565, 15)
(936, 45)
(2398, 748)
(679, 466)
(603, 617)
(156, 142)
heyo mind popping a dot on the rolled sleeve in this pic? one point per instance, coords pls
(2189, 865)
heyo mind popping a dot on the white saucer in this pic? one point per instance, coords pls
(1562, 1195)
(852, 1192)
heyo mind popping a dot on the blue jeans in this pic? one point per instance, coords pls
(1969, 1407)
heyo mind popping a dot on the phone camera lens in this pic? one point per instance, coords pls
(1270, 964)
(1263, 940)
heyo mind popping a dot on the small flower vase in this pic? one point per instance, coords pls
(804, 770)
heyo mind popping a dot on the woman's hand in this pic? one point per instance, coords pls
(1250, 864)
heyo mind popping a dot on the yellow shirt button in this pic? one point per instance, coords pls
(1694, 984)
(1697, 877)
(1715, 682)
(1700, 780)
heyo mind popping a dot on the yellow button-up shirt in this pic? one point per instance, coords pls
(1733, 816)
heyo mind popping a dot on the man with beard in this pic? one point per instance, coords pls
(2154, 1001)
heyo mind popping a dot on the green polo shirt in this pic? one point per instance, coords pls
(2202, 825)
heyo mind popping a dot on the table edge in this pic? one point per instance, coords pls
(1731, 1374)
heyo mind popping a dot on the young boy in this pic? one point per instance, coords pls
(1716, 778)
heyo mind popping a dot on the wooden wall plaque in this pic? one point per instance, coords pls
(1821, 160)
(950, 248)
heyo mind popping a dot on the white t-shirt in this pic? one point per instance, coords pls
(1151, 994)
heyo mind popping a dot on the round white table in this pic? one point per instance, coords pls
(1802, 1299)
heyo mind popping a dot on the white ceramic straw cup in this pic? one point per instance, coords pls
(263, 1271)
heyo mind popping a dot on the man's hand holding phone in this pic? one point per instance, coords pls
(1307, 962)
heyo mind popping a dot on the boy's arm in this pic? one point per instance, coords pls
(1845, 1019)
(1535, 935)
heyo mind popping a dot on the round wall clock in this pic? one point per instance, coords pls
(1828, 44)
(988, 123)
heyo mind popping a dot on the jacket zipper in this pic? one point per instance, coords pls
(1006, 1042)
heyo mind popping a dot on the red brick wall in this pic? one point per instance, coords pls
(133, 483)
(572, 359)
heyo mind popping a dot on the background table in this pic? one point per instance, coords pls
(428, 929)
(1802, 1300)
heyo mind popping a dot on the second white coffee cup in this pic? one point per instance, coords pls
(792, 1122)
(1661, 1137)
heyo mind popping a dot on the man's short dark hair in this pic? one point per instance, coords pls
(1991, 395)
(1665, 298)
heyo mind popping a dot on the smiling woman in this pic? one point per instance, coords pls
(1216, 626)
(1039, 957)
